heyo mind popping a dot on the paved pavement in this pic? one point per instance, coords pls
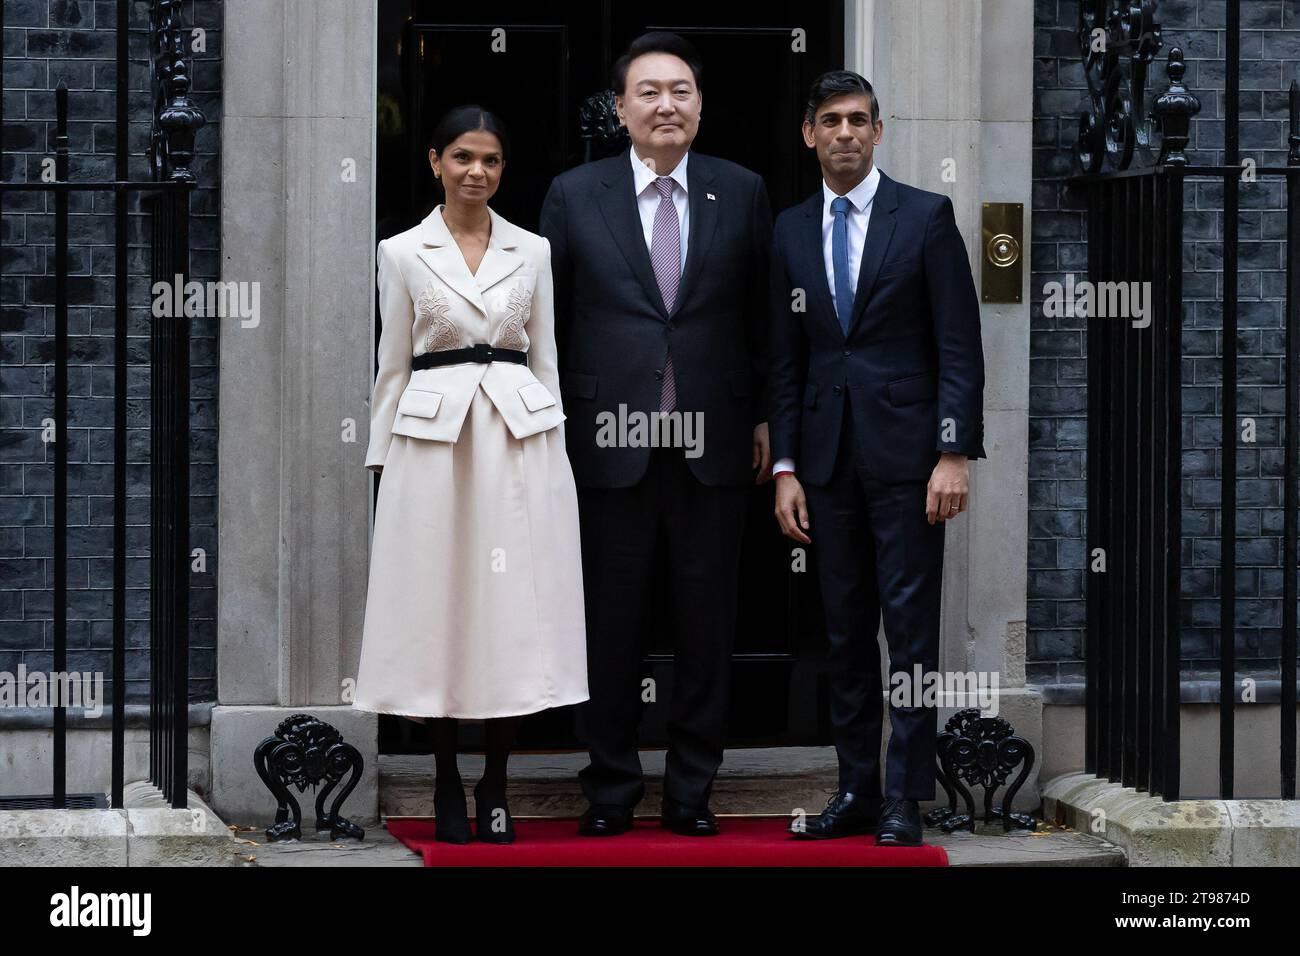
(1052, 846)
(752, 781)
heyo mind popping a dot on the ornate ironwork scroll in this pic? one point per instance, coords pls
(176, 121)
(982, 751)
(305, 751)
(1118, 40)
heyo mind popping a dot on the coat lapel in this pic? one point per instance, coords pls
(815, 262)
(445, 260)
(880, 229)
(704, 221)
(500, 259)
(618, 206)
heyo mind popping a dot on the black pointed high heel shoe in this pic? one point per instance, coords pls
(451, 815)
(493, 826)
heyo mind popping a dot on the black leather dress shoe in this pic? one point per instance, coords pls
(688, 821)
(603, 819)
(846, 814)
(900, 824)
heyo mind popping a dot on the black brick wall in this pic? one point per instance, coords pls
(1270, 51)
(45, 40)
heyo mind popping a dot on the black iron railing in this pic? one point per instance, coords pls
(1134, 474)
(1134, 581)
(166, 199)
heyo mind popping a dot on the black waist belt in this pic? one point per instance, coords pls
(476, 353)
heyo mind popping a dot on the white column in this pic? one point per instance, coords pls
(298, 218)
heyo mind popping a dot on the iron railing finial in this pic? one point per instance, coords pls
(1174, 110)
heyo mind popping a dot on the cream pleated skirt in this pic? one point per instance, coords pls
(475, 606)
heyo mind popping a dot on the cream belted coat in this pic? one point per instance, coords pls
(475, 606)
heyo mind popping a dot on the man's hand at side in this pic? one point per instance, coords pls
(948, 491)
(791, 507)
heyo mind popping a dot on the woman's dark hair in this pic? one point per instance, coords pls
(660, 41)
(837, 83)
(464, 119)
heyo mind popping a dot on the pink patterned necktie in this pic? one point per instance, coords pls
(666, 257)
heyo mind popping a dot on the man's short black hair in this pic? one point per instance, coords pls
(657, 42)
(837, 83)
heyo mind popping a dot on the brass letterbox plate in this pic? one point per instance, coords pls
(1002, 252)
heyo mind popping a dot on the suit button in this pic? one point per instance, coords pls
(837, 389)
(848, 351)
(659, 373)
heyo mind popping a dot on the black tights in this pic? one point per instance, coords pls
(499, 734)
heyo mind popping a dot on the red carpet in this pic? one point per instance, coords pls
(744, 841)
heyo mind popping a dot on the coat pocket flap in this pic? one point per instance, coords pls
(914, 388)
(580, 385)
(419, 402)
(536, 396)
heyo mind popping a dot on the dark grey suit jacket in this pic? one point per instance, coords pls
(614, 333)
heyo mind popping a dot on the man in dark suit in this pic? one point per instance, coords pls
(876, 378)
(659, 257)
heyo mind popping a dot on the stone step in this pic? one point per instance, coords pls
(776, 780)
(767, 781)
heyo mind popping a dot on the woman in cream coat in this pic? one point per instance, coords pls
(475, 604)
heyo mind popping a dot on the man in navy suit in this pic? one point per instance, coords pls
(659, 257)
(876, 378)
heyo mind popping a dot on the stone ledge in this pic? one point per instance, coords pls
(161, 835)
(136, 715)
(1191, 690)
(1153, 832)
(145, 832)
(63, 838)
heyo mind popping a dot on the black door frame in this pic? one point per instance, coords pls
(780, 692)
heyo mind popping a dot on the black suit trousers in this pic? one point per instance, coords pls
(876, 554)
(621, 528)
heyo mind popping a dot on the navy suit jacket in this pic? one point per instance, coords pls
(614, 333)
(912, 364)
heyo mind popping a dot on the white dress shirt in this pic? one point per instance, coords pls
(859, 215)
(647, 198)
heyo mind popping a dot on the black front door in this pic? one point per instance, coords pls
(536, 70)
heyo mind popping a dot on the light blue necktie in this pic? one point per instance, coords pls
(840, 262)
